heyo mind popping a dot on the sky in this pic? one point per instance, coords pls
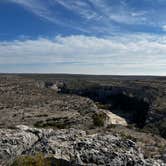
(106, 37)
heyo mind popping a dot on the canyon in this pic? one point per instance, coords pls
(100, 120)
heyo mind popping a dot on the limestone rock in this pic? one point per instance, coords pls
(71, 146)
(14, 143)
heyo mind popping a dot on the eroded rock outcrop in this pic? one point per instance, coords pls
(129, 103)
(15, 142)
(71, 146)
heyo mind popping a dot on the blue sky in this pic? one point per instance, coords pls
(83, 36)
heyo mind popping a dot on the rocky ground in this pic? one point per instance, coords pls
(71, 147)
(23, 102)
(65, 119)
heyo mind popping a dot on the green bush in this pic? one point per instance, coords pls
(127, 136)
(99, 119)
(59, 123)
(162, 128)
(103, 106)
(158, 128)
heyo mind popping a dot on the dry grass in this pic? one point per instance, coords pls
(37, 160)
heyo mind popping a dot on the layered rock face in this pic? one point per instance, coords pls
(140, 102)
(73, 147)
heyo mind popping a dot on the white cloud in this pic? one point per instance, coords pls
(164, 27)
(129, 52)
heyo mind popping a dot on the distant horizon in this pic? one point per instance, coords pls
(110, 37)
(75, 74)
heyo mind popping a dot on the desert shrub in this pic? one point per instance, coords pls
(99, 119)
(162, 128)
(132, 126)
(158, 128)
(103, 106)
(111, 126)
(37, 160)
(127, 136)
(161, 149)
(39, 124)
(81, 84)
(151, 128)
(60, 123)
(42, 115)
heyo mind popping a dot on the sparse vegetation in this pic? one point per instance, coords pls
(161, 149)
(127, 136)
(162, 128)
(141, 102)
(102, 106)
(42, 115)
(99, 119)
(59, 123)
(158, 128)
(81, 84)
(36, 160)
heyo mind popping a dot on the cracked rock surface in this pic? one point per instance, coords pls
(71, 145)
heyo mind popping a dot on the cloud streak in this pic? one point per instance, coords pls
(132, 52)
(102, 16)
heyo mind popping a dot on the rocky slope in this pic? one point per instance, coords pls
(71, 147)
(23, 102)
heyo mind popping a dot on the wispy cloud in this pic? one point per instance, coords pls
(39, 8)
(35, 6)
(101, 15)
(79, 7)
(128, 53)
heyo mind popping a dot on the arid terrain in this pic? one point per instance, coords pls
(82, 119)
